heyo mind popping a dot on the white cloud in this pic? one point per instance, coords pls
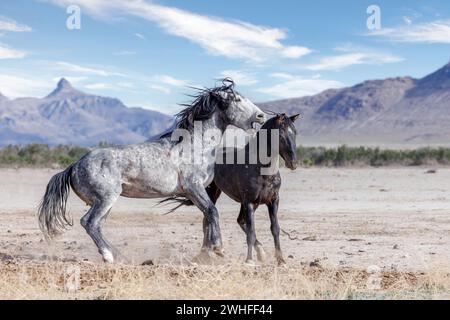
(119, 86)
(281, 75)
(9, 53)
(295, 86)
(407, 20)
(229, 38)
(128, 85)
(353, 56)
(10, 25)
(70, 67)
(163, 82)
(99, 86)
(295, 52)
(140, 35)
(171, 81)
(159, 88)
(430, 32)
(240, 77)
(14, 86)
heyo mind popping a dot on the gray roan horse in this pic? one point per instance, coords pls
(152, 169)
(245, 183)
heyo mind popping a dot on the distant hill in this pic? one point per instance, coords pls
(69, 116)
(399, 110)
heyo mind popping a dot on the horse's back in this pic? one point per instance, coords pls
(135, 171)
(245, 183)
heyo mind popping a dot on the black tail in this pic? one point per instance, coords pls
(53, 218)
(173, 200)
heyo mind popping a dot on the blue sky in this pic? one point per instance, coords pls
(147, 53)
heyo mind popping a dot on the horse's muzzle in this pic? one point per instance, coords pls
(292, 165)
(260, 118)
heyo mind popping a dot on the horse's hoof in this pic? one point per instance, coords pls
(250, 263)
(279, 257)
(108, 257)
(219, 251)
(281, 261)
(203, 258)
(260, 254)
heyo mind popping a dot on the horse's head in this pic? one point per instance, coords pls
(239, 111)
(230, 107)
(287, 134)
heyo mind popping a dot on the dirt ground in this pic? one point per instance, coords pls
(390, 219)
(360, 233)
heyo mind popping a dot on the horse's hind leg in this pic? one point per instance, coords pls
(275, 228)
(260, 253)
(213, 192)
(92, 222)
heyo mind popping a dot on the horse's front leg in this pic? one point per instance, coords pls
(260, 253)
(275, 228)
(212, 238)
(249, 211)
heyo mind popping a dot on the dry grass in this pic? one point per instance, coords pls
(31, 280)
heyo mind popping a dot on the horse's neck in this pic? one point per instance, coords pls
(256, 144)
(211, 133)
(214, 123)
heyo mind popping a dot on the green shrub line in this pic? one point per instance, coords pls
(365, 156)
(40, 156)
(43, 156)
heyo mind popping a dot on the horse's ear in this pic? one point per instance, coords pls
(295, 117)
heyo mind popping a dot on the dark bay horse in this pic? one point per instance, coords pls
(154, 169)
(245, 183)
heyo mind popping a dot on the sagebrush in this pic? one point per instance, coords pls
(44, 156)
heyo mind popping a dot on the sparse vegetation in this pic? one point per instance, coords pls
(32, 280)
(40, 155)
(43, 156)
(376, 157)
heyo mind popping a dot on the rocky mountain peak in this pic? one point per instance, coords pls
(69, 116)
(435, 82)
(63, 83)
(64, 88)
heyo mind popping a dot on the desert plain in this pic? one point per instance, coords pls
(348, 233)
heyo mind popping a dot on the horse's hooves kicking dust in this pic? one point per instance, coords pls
(205, 257)
(260, 253)
(250, 263)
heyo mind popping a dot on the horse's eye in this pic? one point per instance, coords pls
(238, 100)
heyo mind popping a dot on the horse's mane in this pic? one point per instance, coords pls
(271, 123)
(205, 102)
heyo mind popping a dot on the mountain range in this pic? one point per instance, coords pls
(399, 111)
(69, 116)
